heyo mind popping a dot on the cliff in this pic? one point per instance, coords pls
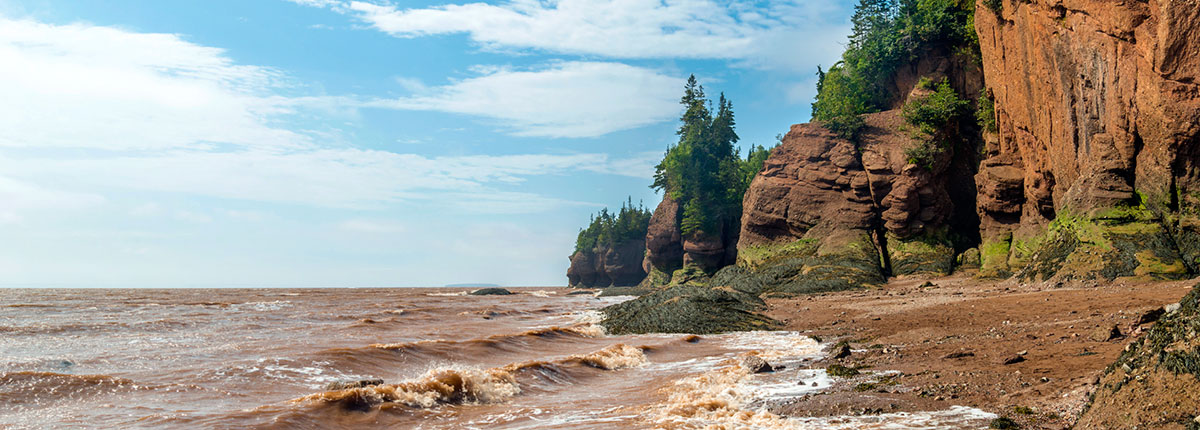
(828, 212)
(1092, 171)
(617, 265)
(668, 250)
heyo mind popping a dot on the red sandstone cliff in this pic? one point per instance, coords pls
(1097, 107)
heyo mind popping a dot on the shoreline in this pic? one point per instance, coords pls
(945, 341)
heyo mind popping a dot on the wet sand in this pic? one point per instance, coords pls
(948, 340)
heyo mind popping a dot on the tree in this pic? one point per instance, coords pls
(886, 34)
(702, 171)
(606, 229)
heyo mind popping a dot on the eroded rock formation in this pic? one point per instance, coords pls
(668, 250)
(619, 265)
(861, 210)
(1093, 171)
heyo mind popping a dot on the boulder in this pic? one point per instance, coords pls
(491, 292)
(755, 364)
(688, 309)
(1105, 333)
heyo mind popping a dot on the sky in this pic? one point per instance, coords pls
(330, 143)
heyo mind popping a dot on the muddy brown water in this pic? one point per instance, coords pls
(261, 358)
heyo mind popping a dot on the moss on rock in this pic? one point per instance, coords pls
(688, 309)
(1155, 383)
(929, 253)
(1120, 242)
(838, 260)
(994, 255)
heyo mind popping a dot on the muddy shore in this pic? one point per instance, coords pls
(1029, 352)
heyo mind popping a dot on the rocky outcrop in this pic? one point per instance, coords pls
(1094, 170)
(668, 250)
(688, 309)
(830, 213)
(664, 242)
(1153, 384)
(619, 265)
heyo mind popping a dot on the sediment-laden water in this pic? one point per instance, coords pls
(261, 358)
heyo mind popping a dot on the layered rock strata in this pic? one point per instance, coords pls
(672, 255)
(1093, 171)
(619, 265)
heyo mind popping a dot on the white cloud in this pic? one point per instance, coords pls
(572, 99)
(760, 34)
(336, 178)
(83, 86)
(18, 197)
(154, 112)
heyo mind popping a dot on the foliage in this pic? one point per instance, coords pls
(703, 171)
(923, 153)
(936, 110)
(886, 34)
(608, 229)
(996, 6)
(749, 167)
(985, 111)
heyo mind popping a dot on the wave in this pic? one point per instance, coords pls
(383, 358)
(456, 294)
(30, 388)
(586, 331)
(98, 327)
(461, 385)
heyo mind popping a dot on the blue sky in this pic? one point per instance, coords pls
(361, 143)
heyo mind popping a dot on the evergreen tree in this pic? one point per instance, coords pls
(702, 171)
(606, 229)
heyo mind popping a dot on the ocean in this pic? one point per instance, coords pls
(264, 358)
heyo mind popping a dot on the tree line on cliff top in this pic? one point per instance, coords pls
(703, 172)
(885, 35)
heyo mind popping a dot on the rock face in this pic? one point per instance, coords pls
(1153, 385)
(668, 250)
(1094, 170)
(619, 265)
(824, 204)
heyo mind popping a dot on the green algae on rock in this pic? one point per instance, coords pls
(688, 309)
(1155, 383)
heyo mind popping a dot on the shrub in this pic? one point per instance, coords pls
(846, 126)
(924, 153)
(997, 6)
(886, 34)
(985, 111)
(935, 111)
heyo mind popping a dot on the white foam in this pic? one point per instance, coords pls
(785, 345)
(460, 293)
(957, 417)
